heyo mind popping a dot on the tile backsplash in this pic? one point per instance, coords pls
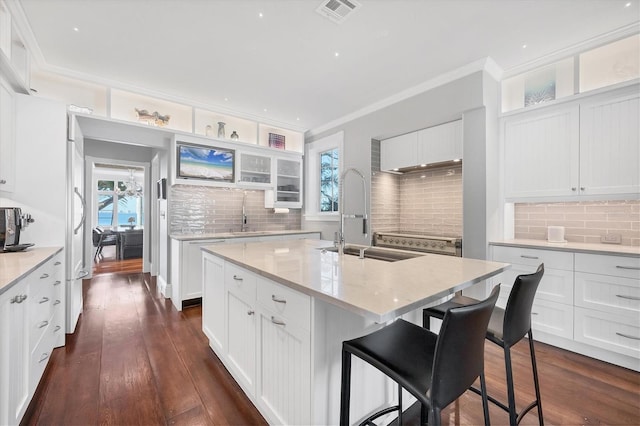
(202, 210)
(584, 222)
(427, 202)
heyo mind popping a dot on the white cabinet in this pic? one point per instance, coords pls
(7, 139)
(441, 143)
(14, 353)
(288, 183)
(240, 324)
(610, 146)
(213, 295)
(587, 148)
(608, 303)
(254, 170)
(399, 152)
(541, 153)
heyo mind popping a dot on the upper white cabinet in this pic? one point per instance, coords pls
(587, 148)
(399, 152)
(541, 153)
(440, 143)
(427, 146)
(610, 146)
(254, 169)
(15, 65)
(7, 139)
(288, 180)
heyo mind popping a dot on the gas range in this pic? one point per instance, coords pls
(450, 246)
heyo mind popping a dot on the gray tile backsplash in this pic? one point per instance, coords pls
(201, 210)
(584, 222)
(428, 202)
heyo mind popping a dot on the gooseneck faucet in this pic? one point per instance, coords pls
(340, 236)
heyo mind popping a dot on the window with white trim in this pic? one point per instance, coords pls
(322, 173)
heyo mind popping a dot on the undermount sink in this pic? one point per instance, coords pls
(375, 253)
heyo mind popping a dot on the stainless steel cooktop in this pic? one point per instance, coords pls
(451, 246)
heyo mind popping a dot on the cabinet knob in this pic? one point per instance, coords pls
(3, 181)
(277, 321)
(582, 188)
(44, 299)
(43, 324)
(57, 282)
(573, 188)
(250, 312)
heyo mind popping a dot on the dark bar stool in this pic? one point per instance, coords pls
(436, 369)
(506, 328)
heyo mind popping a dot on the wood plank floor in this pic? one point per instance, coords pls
(135, 360)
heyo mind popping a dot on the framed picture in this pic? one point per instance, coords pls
(276, 141)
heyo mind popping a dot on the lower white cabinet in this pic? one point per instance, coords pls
(261, 332)
(587, 303)
(30, 328)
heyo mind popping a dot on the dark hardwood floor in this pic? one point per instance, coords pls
(135, 360)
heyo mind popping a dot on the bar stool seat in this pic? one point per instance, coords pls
(435, 369)
(506, 328)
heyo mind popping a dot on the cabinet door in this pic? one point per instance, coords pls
(399, 152)
(440, 143)
(213, 309)
(14, 353)
(241, 342)
(288, 183)
(255, 170)
(284, 380)
(541, 154)
(610, 146)
(7, 139)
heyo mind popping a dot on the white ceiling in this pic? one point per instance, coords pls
(282, 67)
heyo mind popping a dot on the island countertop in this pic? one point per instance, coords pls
(375, 289)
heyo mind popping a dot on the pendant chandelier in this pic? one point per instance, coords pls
(131, 189)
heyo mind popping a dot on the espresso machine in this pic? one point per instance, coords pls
(12, 221)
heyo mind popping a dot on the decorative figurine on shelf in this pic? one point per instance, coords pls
(155, 119)
(234, 136)
(208, 131)
(132, 222)
(221, 129)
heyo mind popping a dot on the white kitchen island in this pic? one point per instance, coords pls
(276, 314)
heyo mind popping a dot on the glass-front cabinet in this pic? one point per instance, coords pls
(288, 182)
(254, 170)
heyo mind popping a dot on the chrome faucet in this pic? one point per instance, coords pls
(244, 212)
(340, 235)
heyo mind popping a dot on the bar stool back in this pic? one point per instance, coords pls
(506, 328)
(435, 369)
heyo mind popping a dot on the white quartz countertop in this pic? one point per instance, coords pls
(15, 265)
(239, 234)
(611, 249)
(372, 288)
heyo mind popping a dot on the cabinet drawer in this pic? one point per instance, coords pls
(40, 309)
(617, 333)
(552, 318)
(284, 303)
(556, 284)
(239, 279)
(616, 295)
(534, 257)
(40, 356)
(617, 266)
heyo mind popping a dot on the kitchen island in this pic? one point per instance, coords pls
(277, 312)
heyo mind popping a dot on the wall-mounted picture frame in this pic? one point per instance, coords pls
(276, 141)
(205, 163)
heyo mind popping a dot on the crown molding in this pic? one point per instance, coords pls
(484, 64)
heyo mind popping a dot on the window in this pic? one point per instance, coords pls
(322, 172)
(329, 179)
(117, 209)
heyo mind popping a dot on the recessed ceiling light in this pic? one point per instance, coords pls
(524, 46)
(297, 118)
(455, 160)
(226, 99)
(76, 29)
(260, 15)
(337, 54)
(395, 170)
(628, 4)
(265, 110)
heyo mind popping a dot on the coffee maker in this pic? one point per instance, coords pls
(12, 221)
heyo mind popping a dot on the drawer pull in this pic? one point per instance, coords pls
(237, 278)
(57, 302)
(58, 263)
(43, 276)
(534, 313)
(19, 298)
(277, 321)
(277, 299)
(524, 256)
(633, 268)
(44, 299)
(57, 328)
(250, 312)
(627, 336)
(43, 324)
(622, 296)
(44, 356)
(57, 282)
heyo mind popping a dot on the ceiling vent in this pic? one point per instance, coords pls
(338, 10)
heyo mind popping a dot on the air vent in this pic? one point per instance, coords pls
(338, 10)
